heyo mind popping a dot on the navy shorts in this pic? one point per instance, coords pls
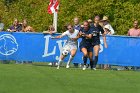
(95, 42)
(89, 47)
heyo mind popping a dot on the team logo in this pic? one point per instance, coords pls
(8, 44)
(101, 46)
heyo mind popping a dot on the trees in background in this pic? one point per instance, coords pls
(120, 12)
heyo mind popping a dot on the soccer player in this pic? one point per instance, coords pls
(96, 30)
(86, 44)
(71, 44)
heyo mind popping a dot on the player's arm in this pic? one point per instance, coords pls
(77, 37)
(104, 39)
(81, 34)
(57, 37)
(60, 36)
(89, 36)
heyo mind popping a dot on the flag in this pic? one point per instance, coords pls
(53, 6)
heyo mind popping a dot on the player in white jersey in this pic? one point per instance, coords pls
(70, 46)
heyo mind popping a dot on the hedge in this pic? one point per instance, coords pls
(120, 12)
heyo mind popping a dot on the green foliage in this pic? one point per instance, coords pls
(121, 12)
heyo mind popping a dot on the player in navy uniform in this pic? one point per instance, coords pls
(96, 30)
(86, 44)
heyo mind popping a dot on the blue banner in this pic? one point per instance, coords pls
(38, 47)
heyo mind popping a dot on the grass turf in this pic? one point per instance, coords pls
(43, 79)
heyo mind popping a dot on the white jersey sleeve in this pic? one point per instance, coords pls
(65, 33)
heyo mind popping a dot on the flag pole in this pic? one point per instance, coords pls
(55, 16)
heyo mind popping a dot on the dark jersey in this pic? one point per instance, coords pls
(96, 34)
(86, 43)
(96, 31)
(84, 39)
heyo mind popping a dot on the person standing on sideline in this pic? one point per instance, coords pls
(1, 25)
(105, 22)
(1, 29)
(16, 27)
(29, 29)
(50, 30)
(96, 30)
(24, 25)
(77, 26)
(86, 44)
(90, 22)
(135, 31)
(70, 46)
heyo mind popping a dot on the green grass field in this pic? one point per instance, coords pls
(43, 79)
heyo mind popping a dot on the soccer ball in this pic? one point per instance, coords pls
(65, 52)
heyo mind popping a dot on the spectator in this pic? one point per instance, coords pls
(1, 29)
(77, 26)
(135, 31)
(1, 25)
(50, 30)
(29, 29)
(90, 22)
(24, 25)
(105, 22)
(26, 28)
(107, 30)
(16, 27)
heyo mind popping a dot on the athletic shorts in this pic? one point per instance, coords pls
(89, 47)
(95, 42)
(70, 47)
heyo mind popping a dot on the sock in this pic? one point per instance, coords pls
(70, 59)
(95, 61)
(85, 60)
(59, 62)
(91, 64)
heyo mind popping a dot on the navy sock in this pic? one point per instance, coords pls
(95, 61)
(85, 60)
(91, 64)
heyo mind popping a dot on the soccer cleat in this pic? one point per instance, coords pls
(94, 69)
(67, 66)
(57, 67)
(84, 68)
(56, 64)
(50, 64)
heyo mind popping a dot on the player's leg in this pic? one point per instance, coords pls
(72, 54)
(96, 52)
(90, 54)
(60, 61)
(84, 50)
(62, 56)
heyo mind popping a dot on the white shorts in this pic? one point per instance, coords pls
(70, 47)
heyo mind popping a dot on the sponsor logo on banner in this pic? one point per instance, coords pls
(101, 46)
(54, 49)
(8, 44)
